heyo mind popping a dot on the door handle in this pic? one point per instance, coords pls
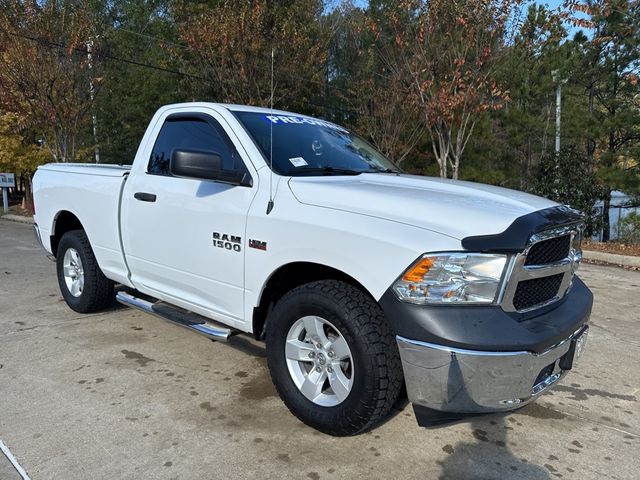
(145, 197)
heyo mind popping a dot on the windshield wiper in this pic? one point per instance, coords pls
(383, 170)
(322, 171)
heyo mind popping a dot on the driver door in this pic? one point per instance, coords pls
(184, 237)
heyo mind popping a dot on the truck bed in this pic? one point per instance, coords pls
(100, 169)
(92, 193)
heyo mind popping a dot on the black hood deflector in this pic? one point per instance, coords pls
(514, 239)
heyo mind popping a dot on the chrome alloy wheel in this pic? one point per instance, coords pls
(319, 361)
(73, 272)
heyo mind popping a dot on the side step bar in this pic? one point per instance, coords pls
(178, 316)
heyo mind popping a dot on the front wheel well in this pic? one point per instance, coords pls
(65, 222)
(288, 277)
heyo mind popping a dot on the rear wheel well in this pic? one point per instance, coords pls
(65, 222)
(288, 277)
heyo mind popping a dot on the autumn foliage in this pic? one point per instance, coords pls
(44, 74)
(448, 53)
(456, 88)
(232, 45)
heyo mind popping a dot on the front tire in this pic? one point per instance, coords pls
(332, 357)
(82, 283)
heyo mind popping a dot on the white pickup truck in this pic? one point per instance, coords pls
(359, 277)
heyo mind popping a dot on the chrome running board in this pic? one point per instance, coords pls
(178, 316)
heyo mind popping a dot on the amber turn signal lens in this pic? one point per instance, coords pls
(417, 273)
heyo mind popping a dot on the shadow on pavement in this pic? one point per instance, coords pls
(489, 456)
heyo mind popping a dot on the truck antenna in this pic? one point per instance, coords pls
(270, 204)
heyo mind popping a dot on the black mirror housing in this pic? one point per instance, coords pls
(205, 165)
(195, 164)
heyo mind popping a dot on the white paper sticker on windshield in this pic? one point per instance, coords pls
(298, 162)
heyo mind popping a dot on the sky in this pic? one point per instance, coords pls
(552, 4)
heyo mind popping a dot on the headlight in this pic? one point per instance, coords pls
(455, 277)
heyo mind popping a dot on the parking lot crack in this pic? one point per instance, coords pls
(590, 420)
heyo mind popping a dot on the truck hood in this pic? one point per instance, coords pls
(450, 207)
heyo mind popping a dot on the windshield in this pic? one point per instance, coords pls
(309, 146)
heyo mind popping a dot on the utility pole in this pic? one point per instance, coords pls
(559, 82)
(558, 110)
(92, 94)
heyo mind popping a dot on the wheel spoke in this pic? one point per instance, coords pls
(74, 288)
(315, 330)
(340, 348)
(339, 383)
(298, 350)
(318, 360)
(312, 385)
(73, 272)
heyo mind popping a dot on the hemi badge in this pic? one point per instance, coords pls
(258, 244)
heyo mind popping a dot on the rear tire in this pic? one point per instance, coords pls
(82, 283)
(372, 375)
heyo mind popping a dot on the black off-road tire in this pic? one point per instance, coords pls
(377, 368)
(98, 291)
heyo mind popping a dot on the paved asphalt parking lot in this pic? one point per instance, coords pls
(124, 395)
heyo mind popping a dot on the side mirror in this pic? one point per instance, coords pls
(205, 165)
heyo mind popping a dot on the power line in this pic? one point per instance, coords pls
(104, 55)
(334, 31)
(147, 65)
(308, 103)
(151, 37)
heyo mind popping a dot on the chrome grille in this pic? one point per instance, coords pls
(543, 272)
(549, 251)
(536, 291)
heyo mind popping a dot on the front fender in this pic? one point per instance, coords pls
(371, 250)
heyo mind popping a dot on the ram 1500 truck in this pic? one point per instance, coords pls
(359, 277)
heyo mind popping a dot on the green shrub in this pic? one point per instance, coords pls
(630, 228)
(567, 179)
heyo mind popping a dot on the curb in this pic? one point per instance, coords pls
(612, 258)
(17, 218)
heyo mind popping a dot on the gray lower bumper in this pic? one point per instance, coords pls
(454, 380)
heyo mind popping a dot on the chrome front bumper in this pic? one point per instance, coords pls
(454, 380)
